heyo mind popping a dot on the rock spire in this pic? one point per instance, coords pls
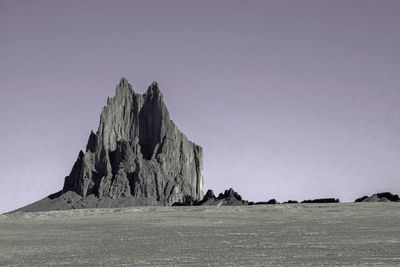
(137, 154)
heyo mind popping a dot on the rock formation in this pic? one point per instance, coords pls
(228, 198)
(137, 154)
(379, 197)
(290, 202)
(322, 200)
(269, 202)
(272, 201)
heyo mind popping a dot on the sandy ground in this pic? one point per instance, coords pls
(349, 234)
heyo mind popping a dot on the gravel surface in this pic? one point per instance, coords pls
(350, 234)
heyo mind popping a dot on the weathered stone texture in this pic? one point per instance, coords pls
(138, 152)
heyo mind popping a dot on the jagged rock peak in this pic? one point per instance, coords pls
(230, 194)
(153, 91)
(154, 86)
(123, 81)
(138, 152)
(209, 195)
(123, 88)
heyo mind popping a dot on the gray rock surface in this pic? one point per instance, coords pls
(137, 154)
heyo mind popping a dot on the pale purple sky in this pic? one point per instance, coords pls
(289, 99)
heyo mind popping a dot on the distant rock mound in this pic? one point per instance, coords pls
(379, 197)
(322, 200)
(137, 157)
(290, 202)
(272, 202)
(269, 202)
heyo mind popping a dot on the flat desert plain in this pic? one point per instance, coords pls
(346, 234)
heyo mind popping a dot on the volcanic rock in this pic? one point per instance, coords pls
(290, 202)
(230, 194)
(322, 200)
(272, 201)
(389, 196)
(379, 197)
(375, 198)
(209, 195)
(137, 157)
(228, 198)
(361, 199)
(269, 202)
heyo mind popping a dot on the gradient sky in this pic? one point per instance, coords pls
(289, 99)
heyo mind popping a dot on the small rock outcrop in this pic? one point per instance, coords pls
(228, 198)
(379, 197)
(272, 202)
(137, 154)
(269, 202)
(290, 202)
(322, 200)
(230, 194)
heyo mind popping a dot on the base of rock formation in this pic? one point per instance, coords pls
(72, 200)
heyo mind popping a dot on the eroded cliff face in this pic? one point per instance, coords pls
(138, 152)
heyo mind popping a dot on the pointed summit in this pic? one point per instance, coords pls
(123, 88)
(123, 81)
(154, 84)
(154, 89)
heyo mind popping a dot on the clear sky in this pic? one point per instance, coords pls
(289, 99)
